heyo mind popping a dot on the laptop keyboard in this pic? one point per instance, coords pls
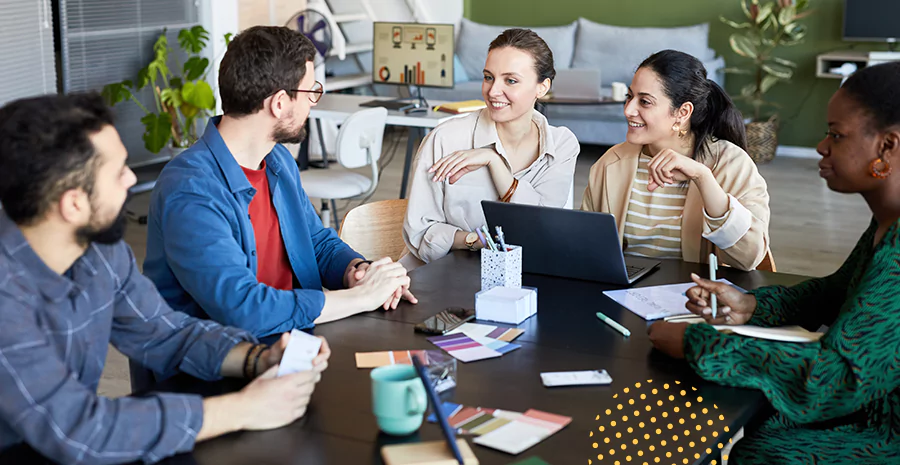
(633, 270)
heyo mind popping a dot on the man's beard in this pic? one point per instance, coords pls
(283, 134)
(109, 234)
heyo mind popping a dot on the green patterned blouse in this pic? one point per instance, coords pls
(837, 400)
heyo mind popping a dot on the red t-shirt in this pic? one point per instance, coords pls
(273, 268)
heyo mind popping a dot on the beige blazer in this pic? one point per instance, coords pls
(742, 241)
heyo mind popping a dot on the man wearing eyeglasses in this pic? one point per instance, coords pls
(232, 236)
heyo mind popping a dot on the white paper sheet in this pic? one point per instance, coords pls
(299, 354)
(652, 303)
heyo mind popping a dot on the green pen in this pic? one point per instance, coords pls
(612, 324)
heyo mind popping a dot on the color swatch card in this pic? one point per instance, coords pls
(393, 357)
(468, 349)
(510, 432)
(302, 348)
(654, 302)
(494, 332)
(523, 430)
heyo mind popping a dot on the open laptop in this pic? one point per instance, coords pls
(567, 243)
(577, 84)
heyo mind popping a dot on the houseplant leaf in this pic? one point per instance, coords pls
(786, 15)
(748, 90)
(199, 94)
(764, 12)
(768, 82)
(194, 67)
(193, 40)
(733, 23)
(738, 71)
(157, 131)
(171, 97)
(143, 78)
(228, 37)
(743, 45)
(116, 92)
(785, 62)
(777, 70)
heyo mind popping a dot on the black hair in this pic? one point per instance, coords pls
(45, 150)
(877, 89)
(684, 79)
(528, 41)
(259, 62)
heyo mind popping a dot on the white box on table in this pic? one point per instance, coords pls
(511, 305)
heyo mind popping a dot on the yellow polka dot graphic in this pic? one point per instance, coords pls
(701, 426)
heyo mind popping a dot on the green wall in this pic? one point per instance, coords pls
(803, 100)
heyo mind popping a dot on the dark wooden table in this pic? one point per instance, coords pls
(339, 427)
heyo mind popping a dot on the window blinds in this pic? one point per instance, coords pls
(26, 49)
(106, 41)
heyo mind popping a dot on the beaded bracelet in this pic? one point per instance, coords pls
(247, 373)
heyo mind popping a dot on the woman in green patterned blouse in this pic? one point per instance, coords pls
(836, 400)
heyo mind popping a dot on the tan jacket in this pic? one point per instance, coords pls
(437, 210)
(742, 241)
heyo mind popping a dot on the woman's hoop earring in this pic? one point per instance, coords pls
(880, 172)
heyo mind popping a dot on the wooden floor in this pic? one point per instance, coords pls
(812, 229)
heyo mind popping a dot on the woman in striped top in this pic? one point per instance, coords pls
(682, 185)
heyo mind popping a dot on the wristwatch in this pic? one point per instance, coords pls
(471, 240)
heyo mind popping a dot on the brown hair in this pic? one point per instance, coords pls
(527, 41)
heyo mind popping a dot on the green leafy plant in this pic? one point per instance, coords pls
(179, 99)
(769, 25)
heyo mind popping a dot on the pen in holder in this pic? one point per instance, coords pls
(499, 268)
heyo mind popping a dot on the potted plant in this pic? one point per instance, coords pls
(178, 100)
(769, 25)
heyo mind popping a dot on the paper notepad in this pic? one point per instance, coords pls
(575, 378)
(427, 453)
(779, 333)
(299, 354)
(652, 303)
(461, 107)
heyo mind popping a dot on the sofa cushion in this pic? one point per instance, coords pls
(474, 39)
(617, 51)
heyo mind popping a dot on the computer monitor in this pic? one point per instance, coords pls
(413, 54)
(871, 20)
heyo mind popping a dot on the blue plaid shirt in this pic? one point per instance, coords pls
(53, 344)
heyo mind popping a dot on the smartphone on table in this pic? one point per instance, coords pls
(446, 321)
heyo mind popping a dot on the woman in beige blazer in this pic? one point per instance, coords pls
(682, 185)
(506, 152)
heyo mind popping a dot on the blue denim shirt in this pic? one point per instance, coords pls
(201, 250)
(56, 330)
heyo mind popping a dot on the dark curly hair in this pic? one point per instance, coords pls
(45, 150)
(259, 62)
(877, 90)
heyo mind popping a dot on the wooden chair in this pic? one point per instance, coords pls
(767, 263)
(376, 229)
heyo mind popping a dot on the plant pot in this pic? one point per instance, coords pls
(762, 140)
(175, 151)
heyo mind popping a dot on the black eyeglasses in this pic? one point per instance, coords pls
(315, 94)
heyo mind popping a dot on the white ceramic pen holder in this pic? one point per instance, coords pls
(501, 268)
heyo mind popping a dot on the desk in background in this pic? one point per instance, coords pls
(338, 107)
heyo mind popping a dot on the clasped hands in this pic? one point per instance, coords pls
(734, 308)
(379, 274)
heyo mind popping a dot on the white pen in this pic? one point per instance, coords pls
(500, 238)
(713, 266)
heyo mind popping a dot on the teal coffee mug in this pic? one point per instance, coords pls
(398, 399)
